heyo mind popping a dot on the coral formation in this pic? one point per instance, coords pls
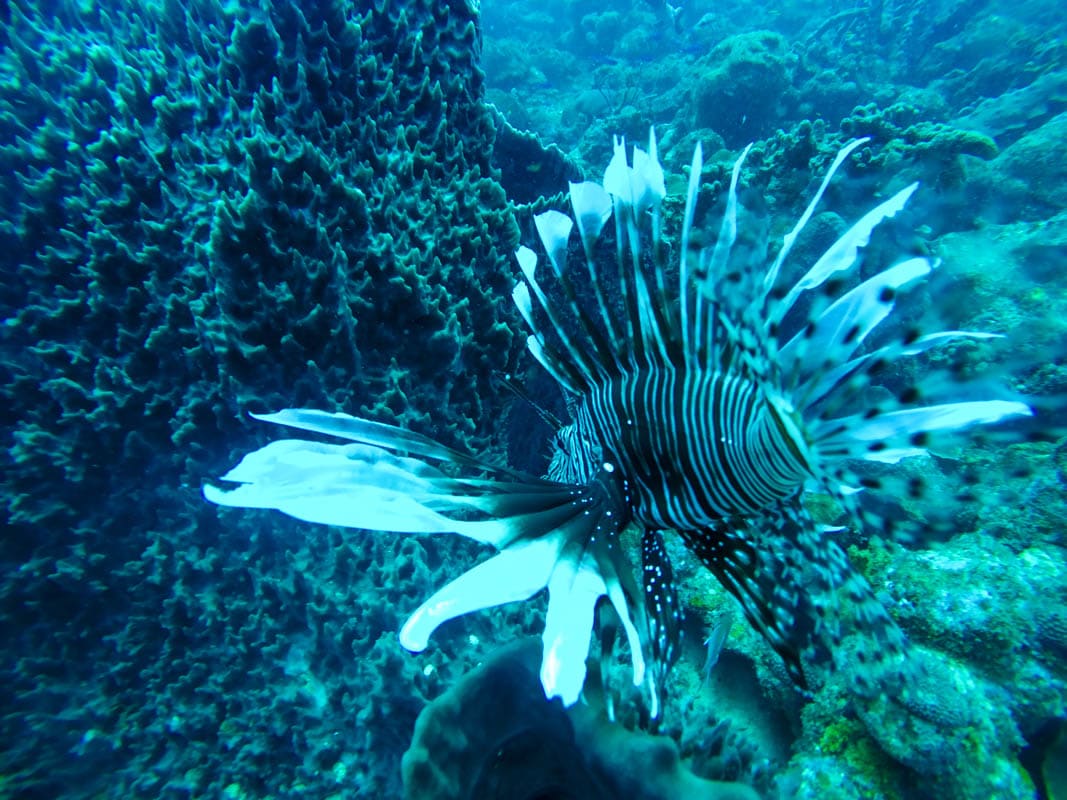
(208, 207)
(493, 735)
(740, 85)
(212, 207)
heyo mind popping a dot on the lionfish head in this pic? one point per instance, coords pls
(672, 344)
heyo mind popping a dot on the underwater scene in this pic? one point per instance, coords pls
(533, 400)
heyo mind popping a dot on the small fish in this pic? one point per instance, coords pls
(603, 59)
(715, 641)
(708, 404)
(674, 13)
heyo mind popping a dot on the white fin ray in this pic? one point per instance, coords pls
(619, 602)
(357, 429)
(537, 350)
(711, 263)
(520, 295)
(855, 434)
(790, 238)
(894, 455)
(514, 574)
(573, 592)
(653, 346)
(648, 186)
(617, 175)
(583, 365)
(685, 291)
(822, 383)
(843, 253)
(843, 326)
(527, 260)
(554, 228)
(727, 234)
(592, 208)
(354, 486)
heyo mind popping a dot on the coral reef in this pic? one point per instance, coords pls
(740, 85)
(210, 208)
(493, 735)
(207, 208)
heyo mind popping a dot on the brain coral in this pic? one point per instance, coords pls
(209, 208)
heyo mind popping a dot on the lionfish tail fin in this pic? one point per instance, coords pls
(547, 534)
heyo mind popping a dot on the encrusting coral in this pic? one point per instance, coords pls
(494, 735)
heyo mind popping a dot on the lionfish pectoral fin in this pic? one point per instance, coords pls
(548, 534)
(354, 485)
(663, 612)
(573, 592)
(798, 588)
(516, 573)
(749, 574)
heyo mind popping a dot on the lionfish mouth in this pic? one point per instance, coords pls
(712, 421)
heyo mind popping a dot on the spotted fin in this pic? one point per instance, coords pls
(664, 613)
(798, 589)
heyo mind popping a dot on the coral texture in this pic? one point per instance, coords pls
(207, 208)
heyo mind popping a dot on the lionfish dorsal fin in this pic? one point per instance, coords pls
(843, 252)
(816, 388)
(790, 238)
(646, 333)
(710, 266)
(575, 368)
(592, 208)
(687, 298)
(554, 228)
(513, 385)
(715, 263)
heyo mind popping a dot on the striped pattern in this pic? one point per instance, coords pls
(697, 447)
(712, 425)
(692, 410)
(576, 458)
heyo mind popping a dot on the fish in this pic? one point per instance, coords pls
(709, 391)
(674, 13)
(715, 642)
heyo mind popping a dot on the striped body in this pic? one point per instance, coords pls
(693, 447)
(691, 411)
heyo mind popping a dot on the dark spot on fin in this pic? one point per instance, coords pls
(750, 575)
(798, 588)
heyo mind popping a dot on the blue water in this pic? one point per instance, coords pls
(212, 209)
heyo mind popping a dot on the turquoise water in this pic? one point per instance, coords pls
(216, 209)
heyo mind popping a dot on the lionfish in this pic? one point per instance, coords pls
(707, 400)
